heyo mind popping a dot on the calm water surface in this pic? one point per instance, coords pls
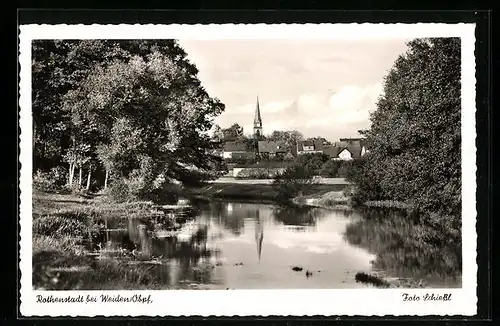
(255, 246)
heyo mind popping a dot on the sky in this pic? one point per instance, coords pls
(321, 88)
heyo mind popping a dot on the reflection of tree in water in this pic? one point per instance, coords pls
(189, 253)
(230, 216)
(297, 215)
(405, 247)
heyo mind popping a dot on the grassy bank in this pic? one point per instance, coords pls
(63, 227)
(261, 192)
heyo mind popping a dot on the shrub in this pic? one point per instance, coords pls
(43, 182)
(312, 162)
(292, 182)
(258, 173)
(61, 224)
(74, 189)
(330, 169)
(166, 193)
(119, 191)
(58, 175)
(359, 173)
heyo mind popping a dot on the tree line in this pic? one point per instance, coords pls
(130, 113)
(234, 133)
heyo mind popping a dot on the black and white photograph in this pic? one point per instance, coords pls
(301, 161)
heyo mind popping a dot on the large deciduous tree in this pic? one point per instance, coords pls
(233, 133)
(415, 135)
(289, 137)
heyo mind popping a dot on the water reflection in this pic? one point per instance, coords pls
(297, 215)
(223, 247)
(259, 234)
(406, 249)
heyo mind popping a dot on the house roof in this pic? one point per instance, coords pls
(235, 146)
(334, 151)
(331, 151)
(266, 146)
(355, 150)
(351, 139)
(318, 144)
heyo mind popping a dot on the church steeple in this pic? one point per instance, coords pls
(257, 121)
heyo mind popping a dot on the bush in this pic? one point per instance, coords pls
(50, 181)
(65, 223)
(43, 182)
(330, 169)
(119, 191)
(293, 182)
(312, 162)
(258, 173)
(166, 193)
(58, 175)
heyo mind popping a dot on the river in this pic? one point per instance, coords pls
(236, 245)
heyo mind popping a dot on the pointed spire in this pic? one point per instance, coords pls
(257, 120)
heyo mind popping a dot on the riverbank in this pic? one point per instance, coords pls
(328, 200)
(64, 225)
(263, 192)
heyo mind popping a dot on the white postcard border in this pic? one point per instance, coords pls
(365, 302)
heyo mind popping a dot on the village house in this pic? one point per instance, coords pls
(273, 149)
(309, 147)
(237, 150)
(346, 149)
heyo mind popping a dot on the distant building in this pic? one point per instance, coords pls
(237, 150)
(272, 149)
(346, 149)
(309, 147)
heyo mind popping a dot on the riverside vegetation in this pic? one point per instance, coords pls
(120, 126)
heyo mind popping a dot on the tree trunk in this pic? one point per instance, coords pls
(71, 173)
(88, 178)
(106, 179)
(80, 177)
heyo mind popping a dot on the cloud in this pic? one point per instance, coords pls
(318, 87)
(326, 114)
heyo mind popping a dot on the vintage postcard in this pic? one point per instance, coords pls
(247, 170)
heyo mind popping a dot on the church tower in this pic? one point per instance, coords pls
(257, 122)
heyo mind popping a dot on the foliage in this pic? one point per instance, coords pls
(265, 164)
(60, 224)
(43, 182)
(258, 173)
(233, 133)
(132, 109)
(313, 162)
(415, 132)
(289, 137)
(293, 182)
(323, 140)
(330, 169)
(119, 191)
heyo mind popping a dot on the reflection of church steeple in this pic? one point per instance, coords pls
(259, 234)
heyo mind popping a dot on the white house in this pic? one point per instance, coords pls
(346, 149)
